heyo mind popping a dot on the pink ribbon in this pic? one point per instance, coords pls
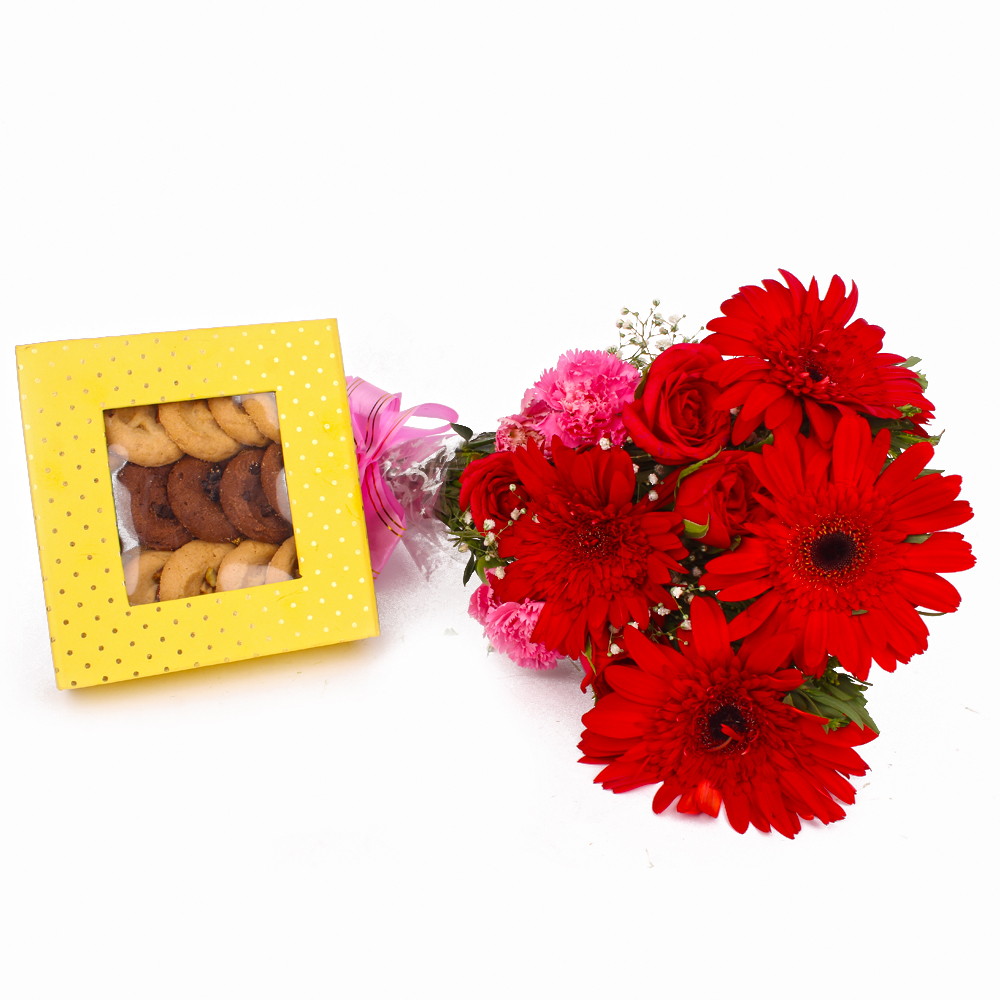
(379, 425)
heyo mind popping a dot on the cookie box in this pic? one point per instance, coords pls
(196, 498)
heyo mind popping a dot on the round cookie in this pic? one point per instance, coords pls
(192, 570)
(235, 421)
(135, 431)
(193, 489)
(262, 409)
(155, 524)
(245, 566)
(284, 565)
(245, 503)
(271, 467)
(150, 566)
(191, 425)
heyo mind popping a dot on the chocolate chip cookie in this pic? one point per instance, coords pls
(245, 503)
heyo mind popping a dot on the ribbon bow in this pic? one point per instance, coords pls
(379, 426)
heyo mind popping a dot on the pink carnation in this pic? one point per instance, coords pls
(482, 603)
(509, 627)
(515, 432)
(580, 401)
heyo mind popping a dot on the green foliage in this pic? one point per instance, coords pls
(693, 530)
(462, 531)
(903, 432)
(837, 697)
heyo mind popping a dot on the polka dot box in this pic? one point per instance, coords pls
(96, 637)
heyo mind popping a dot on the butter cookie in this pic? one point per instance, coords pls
(192, 570)
(147, 587)
(235, 421)
(135, 433)
(191, 425)
(284, 564)
(262, 408)
(245, 566)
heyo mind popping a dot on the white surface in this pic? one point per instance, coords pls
(472, 190)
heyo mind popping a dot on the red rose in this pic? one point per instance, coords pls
(486, 489)
(719, 494)
(675, 419)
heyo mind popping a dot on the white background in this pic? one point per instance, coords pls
(472, 190)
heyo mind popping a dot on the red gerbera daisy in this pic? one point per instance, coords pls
(849, 552)
(712, 726)
(797, 353)
(585, 548)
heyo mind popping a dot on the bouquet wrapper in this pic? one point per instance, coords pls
(402, 470)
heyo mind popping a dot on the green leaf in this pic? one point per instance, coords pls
(684, 473)
(837, 697)
(916, 539)
(695, 530)
(759, 446)
(910, 362)
(463, 431)
(470, 568)
(859, 612)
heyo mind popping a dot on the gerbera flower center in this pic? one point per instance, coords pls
(815, 372)
(835, 551)
(596, 539)
(726, 725)
(608, 553)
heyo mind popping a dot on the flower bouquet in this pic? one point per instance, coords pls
(726, 532)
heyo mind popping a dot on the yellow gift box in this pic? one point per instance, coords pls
(96, 636)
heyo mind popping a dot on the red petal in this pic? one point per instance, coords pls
(710, 633)
(927, 590)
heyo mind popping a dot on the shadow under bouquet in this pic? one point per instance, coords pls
(727, 534)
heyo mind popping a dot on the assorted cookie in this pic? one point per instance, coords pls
(205, 487)
(135, 432)
(284, 564)
(153, 518)
(150, 566)
(193, 490)
(262, 408)
(235, 421)
(272, 468)
(190, 423)
(193, 569)
(242, 495)
(245, 566)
